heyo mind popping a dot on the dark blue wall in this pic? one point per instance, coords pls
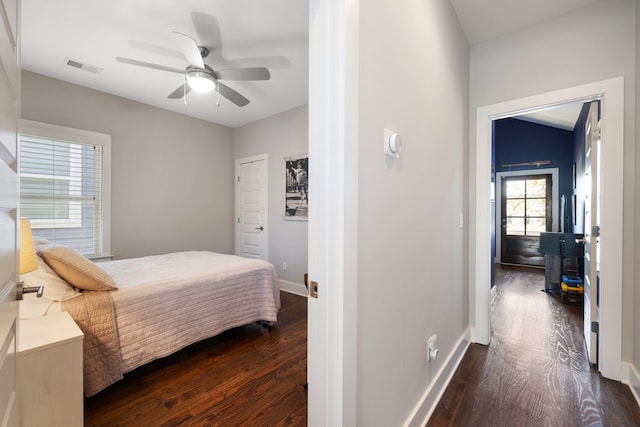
(518, 141)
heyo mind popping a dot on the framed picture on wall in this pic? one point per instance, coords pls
(296, 192)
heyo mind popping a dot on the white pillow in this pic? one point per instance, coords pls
(40, 241)
(55, 288)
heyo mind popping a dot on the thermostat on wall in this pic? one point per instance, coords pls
(392, 144)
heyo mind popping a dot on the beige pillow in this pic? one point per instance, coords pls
(55, 289)
(76, 269)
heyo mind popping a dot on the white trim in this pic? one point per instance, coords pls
(293, 288)
(427, 404)
(63, 133)
(555, 199)
(612, 94)
(68, 134)
(632, 378)
(333, 238)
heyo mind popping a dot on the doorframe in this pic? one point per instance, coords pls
(265, 234)
(555, 198)
(333, 212)
(611, 93)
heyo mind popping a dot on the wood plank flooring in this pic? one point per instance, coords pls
(249, 376)
(535, 372)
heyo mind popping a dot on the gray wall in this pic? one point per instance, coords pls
(636, 289)
(172, 175)
(562, 53)
(279, 136)
(411, 251)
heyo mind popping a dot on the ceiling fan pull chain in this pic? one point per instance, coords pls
(184, 87)
(218, 90)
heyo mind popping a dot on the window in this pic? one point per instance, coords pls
(527, 205)
(65, 186)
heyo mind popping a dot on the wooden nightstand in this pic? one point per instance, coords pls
(50, 371)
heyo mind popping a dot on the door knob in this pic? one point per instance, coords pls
(21, 289)
(581, 240)
(260, 228)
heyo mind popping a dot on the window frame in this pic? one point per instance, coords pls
(72, 135)
(525, 198)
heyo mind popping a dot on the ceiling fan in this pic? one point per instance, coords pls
(202, 78)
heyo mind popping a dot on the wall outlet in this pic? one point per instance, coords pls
(284, 265)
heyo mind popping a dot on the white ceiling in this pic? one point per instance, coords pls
(240, 33)
(483, 20)
(562, 116)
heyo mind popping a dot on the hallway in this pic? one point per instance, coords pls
(535, 372)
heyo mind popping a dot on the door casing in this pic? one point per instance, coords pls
(611, 92)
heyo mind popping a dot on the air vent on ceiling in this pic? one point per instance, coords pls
(85, 67)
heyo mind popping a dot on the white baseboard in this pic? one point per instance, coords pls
(293, 288)
(633, 380)
(427, 404)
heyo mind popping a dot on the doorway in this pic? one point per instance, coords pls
(611, 92)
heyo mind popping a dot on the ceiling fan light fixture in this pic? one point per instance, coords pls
(200, 81)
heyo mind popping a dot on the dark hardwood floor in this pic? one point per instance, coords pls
(249, 376)
(535, 371)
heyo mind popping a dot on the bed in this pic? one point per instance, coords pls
(133, 311)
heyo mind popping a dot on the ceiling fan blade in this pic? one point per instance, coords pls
(191, 51)
(159, 50)
(250, 73)
(271, 62)
(149, 65)
(232, 95)
(180, 91)
(208, 31)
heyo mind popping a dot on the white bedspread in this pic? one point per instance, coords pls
(166, 302)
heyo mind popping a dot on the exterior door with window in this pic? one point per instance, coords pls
(526, 212)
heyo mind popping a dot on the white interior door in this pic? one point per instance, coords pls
(9, 210)
(252, 207)
(591, 233)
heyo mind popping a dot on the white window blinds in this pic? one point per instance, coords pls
(62, 191)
